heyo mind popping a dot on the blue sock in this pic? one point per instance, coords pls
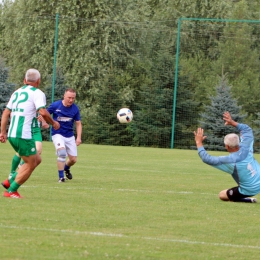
(61, 174)
(248, 200)
(66, 167)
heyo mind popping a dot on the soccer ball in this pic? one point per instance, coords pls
(124, 115)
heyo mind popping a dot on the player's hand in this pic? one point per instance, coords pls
(3, 138)
(40, 118)
(199, 137)
(78, 141)
(56, 125)
(228, 119)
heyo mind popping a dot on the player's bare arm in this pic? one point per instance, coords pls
(47, 117)
(43, 122)
(79, 132)
(4, 122)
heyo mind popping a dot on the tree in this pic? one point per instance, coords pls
(6, 88)
(153, 109)
(98, 39)
(153, 101)
(95, 40)
(93, 37)
(152, 118)
(172, 10)
(101, 122)
(212, 121)
(59, 90)
(238, 49)
(186, 117)
(257, 132)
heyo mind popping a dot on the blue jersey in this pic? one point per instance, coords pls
(242, 165)
(66, 116)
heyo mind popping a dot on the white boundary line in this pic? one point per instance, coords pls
(120, 190)
(183, 241)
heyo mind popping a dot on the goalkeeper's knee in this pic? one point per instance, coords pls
(61, 155)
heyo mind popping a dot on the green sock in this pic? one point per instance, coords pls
(22, 162)
(13, 177)
(15, 162)
(13, 187)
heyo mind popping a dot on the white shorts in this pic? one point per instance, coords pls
(68, 143)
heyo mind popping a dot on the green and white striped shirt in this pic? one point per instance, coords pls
(23, 104)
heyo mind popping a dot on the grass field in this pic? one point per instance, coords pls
(126, 203)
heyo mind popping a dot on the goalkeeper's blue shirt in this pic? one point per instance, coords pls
(65, 116)
(242, 165)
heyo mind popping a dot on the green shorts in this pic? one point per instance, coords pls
(37, 134)
(24, 147)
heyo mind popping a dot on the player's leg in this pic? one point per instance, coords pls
(27, 150)
(223, 195)
(15, 162)
(38, 145)
(70, 162)
(71, 149)
(234, 195)
(61, 153)
(30, 163)
(37, 136)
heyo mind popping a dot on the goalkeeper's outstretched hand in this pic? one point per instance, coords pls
(199, 137)
(228, 119)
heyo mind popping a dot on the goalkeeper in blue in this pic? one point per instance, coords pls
(240, 163)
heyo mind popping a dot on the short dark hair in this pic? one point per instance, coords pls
(70, 90)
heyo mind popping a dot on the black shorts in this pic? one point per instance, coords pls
(234, 194)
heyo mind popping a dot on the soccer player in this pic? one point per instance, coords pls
(23, 105)
(66, 113)
(240, 163)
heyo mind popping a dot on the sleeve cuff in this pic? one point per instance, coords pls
(201, 148)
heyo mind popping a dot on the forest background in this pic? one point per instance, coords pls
(123, 54)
